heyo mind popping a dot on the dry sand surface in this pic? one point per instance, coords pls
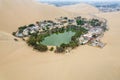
(20, 62)
(15, 13)
(81, 8)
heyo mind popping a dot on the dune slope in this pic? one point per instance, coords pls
(15, 13)
(81, 8)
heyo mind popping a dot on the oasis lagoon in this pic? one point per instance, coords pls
(58, 39)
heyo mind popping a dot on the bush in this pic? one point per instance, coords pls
(22, 27)
(73, 38)
(43, 29)
(60, 50)
(80, 22)
(47, 28)
(41, 47)
(14, 33)
(31, 41)
(73, 44)
(40, 38)
(52, 48)
(65, 17)
(34, 40)
(31, 25)
(95, 22)
(64, 45)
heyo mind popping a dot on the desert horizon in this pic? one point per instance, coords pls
(18, 61)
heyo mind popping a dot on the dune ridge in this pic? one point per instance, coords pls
(81, 8)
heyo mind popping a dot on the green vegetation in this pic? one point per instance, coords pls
(22, 28)
(13, 33)
(74, 39)
(32, 41)
(52, 48)
(60, 50)
(36, 39)
(80, 22)
(47, 27)
(31, 25)
(95, 22)
(65, 17)
(73, 44)
(41, 47)
(64, 45)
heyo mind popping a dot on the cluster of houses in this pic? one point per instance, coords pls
(92, 37)
(27, 31)
(44, 25)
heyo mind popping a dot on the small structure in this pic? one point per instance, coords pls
(77, 18)
(97, 43)
(19, 34)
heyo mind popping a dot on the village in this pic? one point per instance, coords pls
(95, 29)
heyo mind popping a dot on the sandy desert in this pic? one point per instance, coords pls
(18, 61)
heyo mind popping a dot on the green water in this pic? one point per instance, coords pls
(58, 39)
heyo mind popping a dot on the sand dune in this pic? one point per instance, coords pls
(20, 62)
(8, 45)
(16, 13)
(81, 8)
